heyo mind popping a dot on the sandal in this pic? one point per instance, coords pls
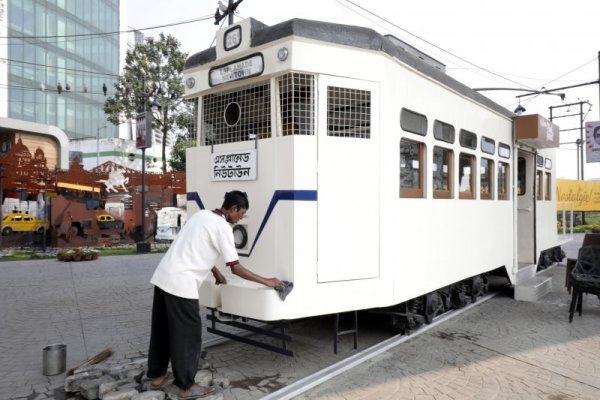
(162, 380)
(197, 393)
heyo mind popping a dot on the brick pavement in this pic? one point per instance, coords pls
(502, 349)
(87, 305)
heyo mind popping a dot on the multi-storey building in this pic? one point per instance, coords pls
(59, 60)
(62, 60)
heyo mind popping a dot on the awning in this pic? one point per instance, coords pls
(74, 186)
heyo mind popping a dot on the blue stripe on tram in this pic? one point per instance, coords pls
(278, 195)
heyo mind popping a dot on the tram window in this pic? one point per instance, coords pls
(467, 139)
(488, 145)
(442, 173)
(486, 173)
(411, 168)
(503, 150)
(348, 112)
(539, 161)
(521, 176)
(236, 115)
(443, 131)
(466, 172)
(539, 185)
(547, 187)
(413, 122)
(503, 181)
(296, 104)
(548, 163)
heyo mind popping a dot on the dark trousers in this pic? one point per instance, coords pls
(176, 335)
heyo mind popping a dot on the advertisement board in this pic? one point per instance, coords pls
(143, 130)
(592, 141)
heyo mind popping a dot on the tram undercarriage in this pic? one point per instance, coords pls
(405, 317)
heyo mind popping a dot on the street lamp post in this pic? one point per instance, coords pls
(143, 140)
(46, 216)
(98, 144)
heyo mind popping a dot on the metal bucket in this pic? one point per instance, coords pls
(54, 359)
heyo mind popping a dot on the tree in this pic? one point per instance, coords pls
(153, 74)
(177, 160)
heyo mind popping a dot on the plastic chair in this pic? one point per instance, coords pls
(585, 277)
(590, 239)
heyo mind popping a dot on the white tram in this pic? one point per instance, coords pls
(373, 177)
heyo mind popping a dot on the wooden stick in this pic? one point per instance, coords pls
(98, 358)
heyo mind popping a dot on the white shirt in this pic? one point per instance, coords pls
(193, 253)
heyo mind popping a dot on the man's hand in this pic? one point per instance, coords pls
(219, 278)
(241, 271)
(274, 282)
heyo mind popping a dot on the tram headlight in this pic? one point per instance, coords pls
(240, 236)
(282, 54)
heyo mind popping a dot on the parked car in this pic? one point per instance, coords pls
(107, 221)
(18, 221)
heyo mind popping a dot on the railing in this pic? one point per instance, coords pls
(564, 207)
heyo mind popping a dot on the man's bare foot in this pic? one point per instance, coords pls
(195, 392)
(161, 380)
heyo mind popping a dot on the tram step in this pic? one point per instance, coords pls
(533, 289)
(525, 273)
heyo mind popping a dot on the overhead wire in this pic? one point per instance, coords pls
(36, 40)
(477, 67)
(433, 44)
(215, 38)
(81, 72)
(100, 34)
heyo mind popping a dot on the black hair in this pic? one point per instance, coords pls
(237, 199)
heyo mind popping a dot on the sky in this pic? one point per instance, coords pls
(529, 44)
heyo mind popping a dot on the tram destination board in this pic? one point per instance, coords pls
(239, 69)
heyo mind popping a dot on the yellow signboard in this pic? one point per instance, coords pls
(585, 195)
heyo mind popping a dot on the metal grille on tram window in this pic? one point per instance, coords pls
(348, 112)
(297, 104)
(237, 115)
(192, 125)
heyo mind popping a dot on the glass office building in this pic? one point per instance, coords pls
(60, 55)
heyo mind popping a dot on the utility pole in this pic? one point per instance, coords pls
(228, 11)
(580, 142)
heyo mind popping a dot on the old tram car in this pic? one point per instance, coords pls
(374, 178)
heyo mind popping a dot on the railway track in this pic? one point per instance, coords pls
(305, 381)
(305, 384)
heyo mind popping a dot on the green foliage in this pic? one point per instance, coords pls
(586, 229)
(153, 72)
(177, 160)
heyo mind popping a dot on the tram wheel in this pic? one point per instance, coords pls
(477, 288)
(433, 306)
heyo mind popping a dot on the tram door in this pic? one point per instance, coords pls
(526, 207)
(348, 179)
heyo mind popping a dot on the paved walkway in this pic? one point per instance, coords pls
(502, 349)
(88, 305)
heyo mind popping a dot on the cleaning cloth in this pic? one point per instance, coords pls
(284, 290)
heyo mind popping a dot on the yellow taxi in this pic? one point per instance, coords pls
(18, 221)
(107, 221)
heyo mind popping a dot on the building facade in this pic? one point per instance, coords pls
(59, 61)
(62, 58)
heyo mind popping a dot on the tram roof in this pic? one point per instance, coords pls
(347, 35)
